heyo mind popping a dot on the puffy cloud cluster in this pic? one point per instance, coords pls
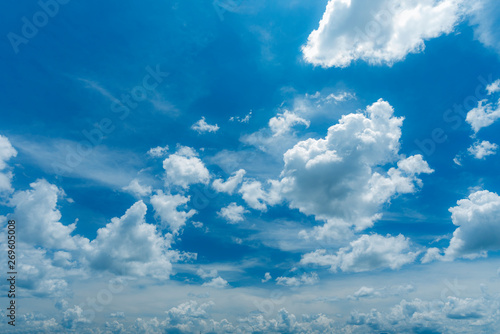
(340, 179)
(368, 252)
(257, 197)
(130, 246)
(378, 31)
(477, 218)
(184, 168)
(454, 315)
(233, 213)
(202, 126)
(283, 123)
(485, 114)
(166, 210)
(482, 149)
(6, 153)
(304, 279)
(37, 209)
(478, 221)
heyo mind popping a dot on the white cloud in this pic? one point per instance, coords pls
(483, 115)
(369, 252)
(202, 126)
(233, 213)
(477, 218)
(130, 246)
(304, 279)
(217, 282)
(485, 19)
(6, 153)
(378, 31)
(267, 277)
(204, 274)
(493, 87)
(137, 189)
(339, 178)
(480, 150)
(158, 151)
(37, 209)
(245, 119)
(230, 185)
(258, 198)
(165, 206)
(283, 123)
(184, 168)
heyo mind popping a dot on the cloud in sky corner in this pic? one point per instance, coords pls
(378, 31)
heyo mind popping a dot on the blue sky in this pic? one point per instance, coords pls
(252, 166)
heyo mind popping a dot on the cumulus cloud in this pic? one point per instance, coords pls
(378, 31)
(233, 213)
(202, 126)
(477, 218)
(230, 185)
(6, 153)
(257, 197)
(137, 189)
(185, 168)
(267, 277)
(158, 151)
(130, 246)
(37, 209)
(480, 150)
(283, 123)
(483, 115)
(369, 252)
(304, 279)
(454, 315)
(166, 209)
(217, 282)
(340, 179)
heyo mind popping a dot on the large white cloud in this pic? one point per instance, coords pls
(130, 246)
(6, 153)
(482, 149)
(37, 209)
(369, 252)
(340, 178)
(378, 31)
(478, 221)
(185, 168)
(165, 206)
